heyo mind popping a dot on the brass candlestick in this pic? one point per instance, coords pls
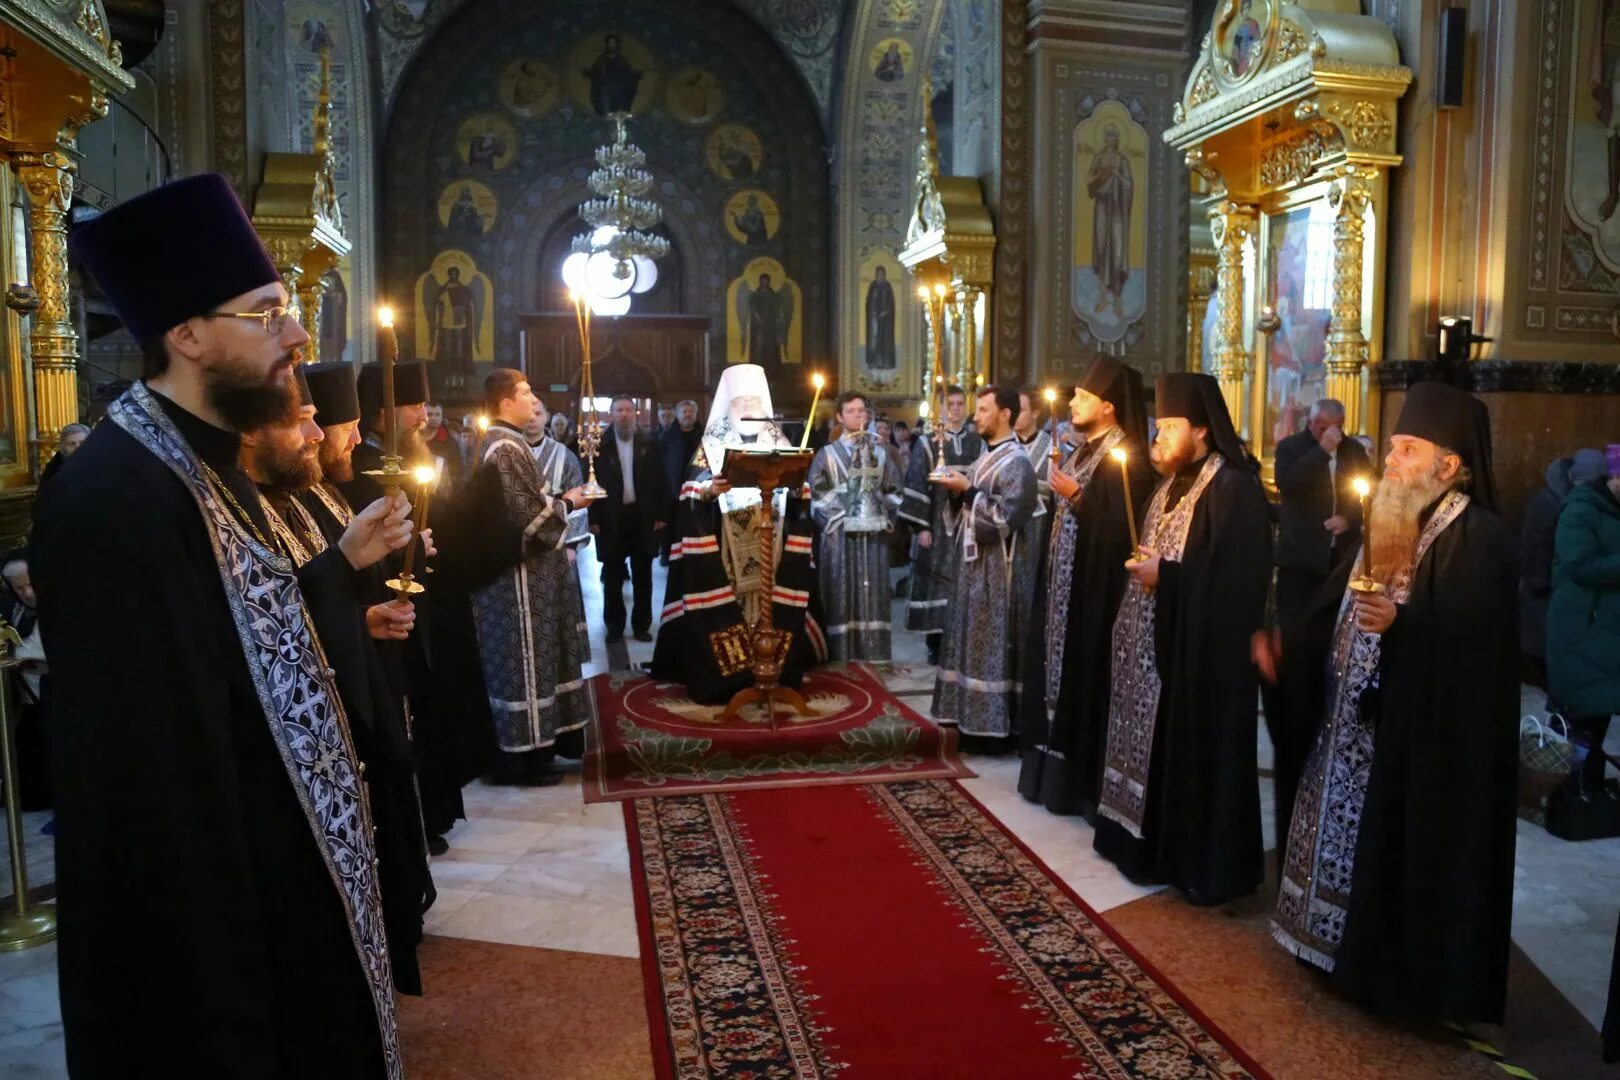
(24, 926)
(590, 431)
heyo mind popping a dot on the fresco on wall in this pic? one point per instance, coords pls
(314, 28)
(455, 315)
(752, 217)
(487, 142)
(881, 335)
(734, 152)
(764, 323)
(1109, 282)
(694, 95)
(1593, 194)
(530, 88)
(609, 72)
(890, 60)
(467, 208)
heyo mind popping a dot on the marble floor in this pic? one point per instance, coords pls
(539, 867)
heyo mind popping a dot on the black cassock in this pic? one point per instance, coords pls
(377, 720)
(1062, 758)
(1427, 929)
(199, 924)
(437, 667)
(1202, 828)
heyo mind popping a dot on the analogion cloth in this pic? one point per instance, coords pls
(528, 626)
(854, 490)
(977, 686)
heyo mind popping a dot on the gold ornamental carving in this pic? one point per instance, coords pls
(1350, 196)
(1367, 125)
(53, 343)
(1294, 159)
(1231, 225)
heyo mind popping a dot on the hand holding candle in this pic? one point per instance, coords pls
(1119, 455)
(818, 381)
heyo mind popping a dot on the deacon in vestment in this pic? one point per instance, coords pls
(528, 627)
(854, 489)
(933, 563)
(1037, 443)
(561, 470)
(1180, 789)
(283, 460)
(990, 503)
(213, 840)
(1065, 715)
(1398, 874)
(715, 589)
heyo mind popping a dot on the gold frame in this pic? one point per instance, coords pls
(16, 404)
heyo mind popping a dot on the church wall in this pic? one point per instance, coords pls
(720, 111)
(1105, 72)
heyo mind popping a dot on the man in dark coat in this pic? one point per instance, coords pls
(1398, 874)
(675, 449)
(207, 791)
(626, 523)
(1181, 792)
(1065, 717)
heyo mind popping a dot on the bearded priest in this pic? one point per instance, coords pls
(1180, 789)
(1398, 875)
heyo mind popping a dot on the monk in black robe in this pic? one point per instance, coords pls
(213, 841)
(1398, 874)
(1066, 691)
(1180, 794)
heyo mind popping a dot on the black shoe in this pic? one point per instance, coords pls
(642, 635)
(615, 637)
(437, 845)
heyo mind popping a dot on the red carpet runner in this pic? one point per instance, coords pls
(886, 931)
(649, 738)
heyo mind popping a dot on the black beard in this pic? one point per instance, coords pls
(294, 472)
(336, 467)
(249, 406)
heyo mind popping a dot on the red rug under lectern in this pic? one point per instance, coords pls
(888, 930)
(649, 738)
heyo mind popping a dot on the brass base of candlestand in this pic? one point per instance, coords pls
(36, 926)
(1366, 586)
(944, 472)
(405, 586)
(593, 490)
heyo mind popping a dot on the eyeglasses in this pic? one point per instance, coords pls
(272, 319)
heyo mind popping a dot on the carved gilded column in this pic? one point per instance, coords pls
(1349, 195)
(958, 346)
(53, 343)
(1231, 224)
(970, 333)
(1200, 287)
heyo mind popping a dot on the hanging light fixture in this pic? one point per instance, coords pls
(617, 257)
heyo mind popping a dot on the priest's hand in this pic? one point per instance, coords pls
(1265, 649)
(382, 527)
(1064, 486)
(717, 487)
(575, 497)
(1336, 524)
(428, 547)
(1375, 613)
(925, 539)
(391, 621)
(953, 481)
(1145, 569)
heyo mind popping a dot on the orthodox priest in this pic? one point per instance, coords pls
(1037, 443)
(854, 489)
(1180, 798)
(976, 687)
(1398, 875)
(528, 633)
(213, 838)
(933, 566)
(283, 459)
(561, 470)
(715, 589)
(1065, 707)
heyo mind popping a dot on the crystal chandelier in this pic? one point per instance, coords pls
(615, 259)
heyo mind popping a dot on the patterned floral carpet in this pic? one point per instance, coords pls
(887, 930)
(649, 738)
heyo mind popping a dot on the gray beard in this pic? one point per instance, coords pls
(1397, 511)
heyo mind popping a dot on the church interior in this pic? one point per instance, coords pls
(1317, 199)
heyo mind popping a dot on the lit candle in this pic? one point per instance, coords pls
(389, 344)
(483, 423)
(1051, 422)
(818, 381)
(424, 475)
(1130, 508)
(1363, 489)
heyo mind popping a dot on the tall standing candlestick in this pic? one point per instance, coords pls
(590, 430)
(818, 381)
(1120, 456)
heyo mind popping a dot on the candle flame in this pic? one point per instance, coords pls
(385, 316)
(1118, 454)
(425, 474)
(922, 292)
(483, 423)
(939, 290)
(818, 380)
(1363, 489)
(1051, 395)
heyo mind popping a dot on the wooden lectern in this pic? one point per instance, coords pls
(767, 646)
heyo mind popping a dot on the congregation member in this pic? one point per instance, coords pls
(1064, 718)
(72, 437)
(1537, 540)
(976, 687)
(675, 449)
(444, 445)
(854, 488)
(529, 636)
(207, 791)
(716, 587)
(1398, 874)
(562, 430)
(283, 459)
(922, 507)
(665, 419)
(626, 523)
(1180, 799)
